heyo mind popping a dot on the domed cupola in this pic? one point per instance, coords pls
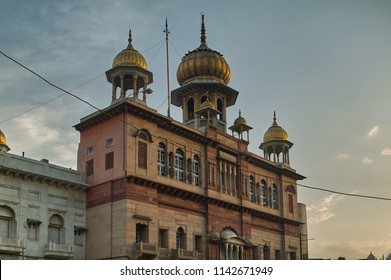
(203, 63)
(240, 127)
(275, 132)
(129, 72)
(203, 73)
(3, 143)
(130, 56)
(275, 142)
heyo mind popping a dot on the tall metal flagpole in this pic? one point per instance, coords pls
(168, 71)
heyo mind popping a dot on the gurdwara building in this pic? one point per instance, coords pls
(168, 189)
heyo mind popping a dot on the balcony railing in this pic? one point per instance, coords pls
(58, 251)
(186, 254)
(12, 245)
(146, 248)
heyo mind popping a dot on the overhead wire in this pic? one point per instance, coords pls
(127, 123)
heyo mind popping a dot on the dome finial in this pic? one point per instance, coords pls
(240, 114)
(203, 36)
(274, 118)
(130, 46)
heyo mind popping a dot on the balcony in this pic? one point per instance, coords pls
(58, 251)
(12, 246)
(146, 249)
(183, 254)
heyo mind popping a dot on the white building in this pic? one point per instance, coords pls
(42, 209)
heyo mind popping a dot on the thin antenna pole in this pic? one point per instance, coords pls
(168, 71)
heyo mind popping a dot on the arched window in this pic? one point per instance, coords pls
(263, 193)
(196, 170)
(291, 192)
(203, 98)
(7, 222)
(252, 196)
(56, 229)
(144, 137)
(190, 109)
(179, 165)
(180, 238)
(220, 108)
(275, 197)
(142, 154)
(161, 159)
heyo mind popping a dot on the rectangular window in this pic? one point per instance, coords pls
(222, 178)
(163, 238)
(79, 237)
(32, 232)
(90, 167)
(109, 160)
(90, 150)
(109, 143)
(198, 243)
(4, 228)
(141, 233)
(278, 254)
(54, 234)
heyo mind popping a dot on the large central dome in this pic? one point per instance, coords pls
(203, 63)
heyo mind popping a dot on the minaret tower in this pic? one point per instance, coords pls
(275, 143)
(203, 76)
(129, 72)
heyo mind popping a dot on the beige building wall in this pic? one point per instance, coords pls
(36, 196)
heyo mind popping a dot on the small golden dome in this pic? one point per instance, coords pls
(130, 57)
(208, 104)
(240, 120)
(275, 132)
(3, 139)
(203, 63)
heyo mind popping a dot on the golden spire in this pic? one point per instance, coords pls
(275, 119)
(130, 46)
(203, 36)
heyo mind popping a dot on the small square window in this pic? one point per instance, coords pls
(109, 143)
(90, 151)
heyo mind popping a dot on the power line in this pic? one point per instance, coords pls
(48, 82)
(89, 81)
(125, 122)
(50, 100)
(343, 193)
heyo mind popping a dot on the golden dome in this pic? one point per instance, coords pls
(240, 120)
(3, 139)
(275, 132)
(130, 57)
(203, 63)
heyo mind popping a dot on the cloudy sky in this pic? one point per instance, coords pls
(324, 66)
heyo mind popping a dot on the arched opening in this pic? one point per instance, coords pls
(7, 222)
(56, 229)
(180, 238)
(220, 108)
(190, 109)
